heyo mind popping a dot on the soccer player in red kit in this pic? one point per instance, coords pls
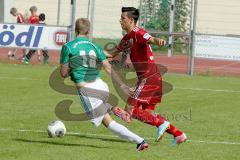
(148, 92)
(34, 18)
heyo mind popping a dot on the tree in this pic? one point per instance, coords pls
(159, 21)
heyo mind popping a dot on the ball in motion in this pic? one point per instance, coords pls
(56, 129)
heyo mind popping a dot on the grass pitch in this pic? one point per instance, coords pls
(206, 108)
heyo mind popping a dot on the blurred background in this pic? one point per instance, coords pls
(190, 27)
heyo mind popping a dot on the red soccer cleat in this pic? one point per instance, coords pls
(125, 116)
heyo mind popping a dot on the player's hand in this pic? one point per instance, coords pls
(127, 90)
(161, 42)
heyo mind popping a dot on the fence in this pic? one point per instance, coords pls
(179, 21)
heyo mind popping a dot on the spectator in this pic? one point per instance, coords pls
(34, 18)
(41, 21)
(20, 19)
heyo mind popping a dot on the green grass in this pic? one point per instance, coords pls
(27, 103)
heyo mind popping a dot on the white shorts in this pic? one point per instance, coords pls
(94, 97)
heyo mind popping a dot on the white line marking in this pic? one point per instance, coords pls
(19, 78)
(183, 88)
(204, 89)
(112, 136)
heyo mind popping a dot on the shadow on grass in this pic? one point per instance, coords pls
(98, 138)
(58, 143)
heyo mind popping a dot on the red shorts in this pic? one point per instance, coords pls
(147, 93)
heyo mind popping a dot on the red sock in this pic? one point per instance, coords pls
(174, 131)
(146, 117)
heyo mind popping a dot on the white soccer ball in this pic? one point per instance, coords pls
(56, 129)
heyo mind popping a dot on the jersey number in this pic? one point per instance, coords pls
(89, 60)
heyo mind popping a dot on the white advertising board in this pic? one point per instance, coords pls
(217, 47)
(33, 36)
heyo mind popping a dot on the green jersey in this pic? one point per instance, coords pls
(84, 59)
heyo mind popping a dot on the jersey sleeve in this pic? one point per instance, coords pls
(124, 44)
(142, 36)
(64, 58)
(20, 19)
(30, 20)
(101, 55)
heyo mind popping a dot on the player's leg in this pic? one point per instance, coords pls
(24, 51)
(94, 98)
(124, 115)
(45, 56)
(39, 55)
(150, 118)
(123, 132)
(12, 54)
(178, 135)
(29, 56)
(168, 127)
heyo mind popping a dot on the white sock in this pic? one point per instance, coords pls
(123, 132)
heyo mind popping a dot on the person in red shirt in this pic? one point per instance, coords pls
(15, 13)
(20, 19)
(148, 91)
(32, 51)
(34, 18)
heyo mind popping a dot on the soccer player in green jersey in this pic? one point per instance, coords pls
(80, 59)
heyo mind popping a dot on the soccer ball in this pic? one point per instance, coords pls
(56, 129)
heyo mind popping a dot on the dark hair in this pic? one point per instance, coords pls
(13, 10)
(42, 17)
(132, 12)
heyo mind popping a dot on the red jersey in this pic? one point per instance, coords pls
(33, 20)
(136, 45)
(20, 18)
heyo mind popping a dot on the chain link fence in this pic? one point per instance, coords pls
(169, 19)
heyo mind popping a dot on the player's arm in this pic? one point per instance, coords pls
(64, 61)
(144, 37)
(64, 70)
(107, 66)
(111, 53)
(157, 41)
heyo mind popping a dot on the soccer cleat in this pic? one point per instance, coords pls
(142, 146)
(161, 130)
(179, 139)
(26, 60)
(122, 114)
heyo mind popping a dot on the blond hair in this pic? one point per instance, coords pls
(33, 9)
(82, 26)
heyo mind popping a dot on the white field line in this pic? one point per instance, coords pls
(182, 88)
(112, 136)
(19, 78)
(211, 90)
